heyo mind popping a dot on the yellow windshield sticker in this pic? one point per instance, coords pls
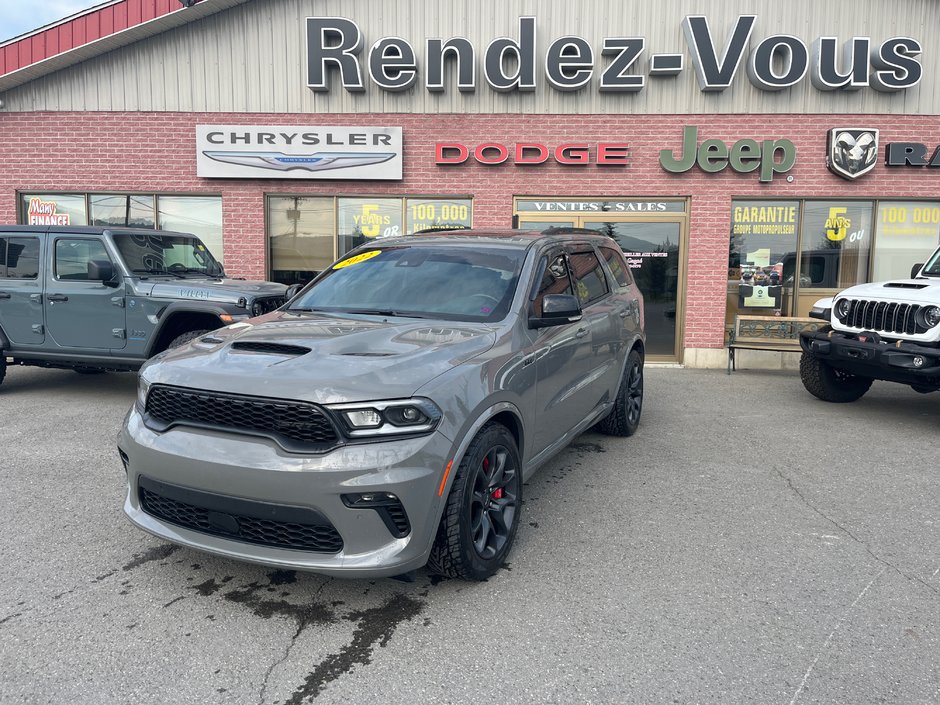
(357, 259)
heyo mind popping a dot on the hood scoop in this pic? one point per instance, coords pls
(270, 348)
(905, 285)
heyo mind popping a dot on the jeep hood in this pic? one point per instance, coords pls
(224, 291)
(919, 291)
(350, 359)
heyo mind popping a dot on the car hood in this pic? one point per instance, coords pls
(226, 291)
(350, 359)
(911, 290)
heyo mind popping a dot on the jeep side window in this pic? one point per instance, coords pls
(555, 280)
(590, 281)
(618, 266)
(72, 258)
(19, 257)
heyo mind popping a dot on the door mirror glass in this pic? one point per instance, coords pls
(100, 270)
(557, 310)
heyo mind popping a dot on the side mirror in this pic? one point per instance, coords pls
(916, 269)
(100, 270)
(293, 290)
(557, 310)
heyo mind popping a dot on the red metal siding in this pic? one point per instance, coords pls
(82, 30)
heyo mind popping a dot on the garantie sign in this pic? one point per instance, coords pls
(336, 52)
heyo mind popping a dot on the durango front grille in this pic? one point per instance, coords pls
(295, 425)
(258, 523)
(885, 316)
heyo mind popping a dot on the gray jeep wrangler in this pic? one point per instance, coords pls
(98, 299)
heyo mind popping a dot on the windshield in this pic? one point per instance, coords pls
(449, 283)
(932, 268)
(163, 253)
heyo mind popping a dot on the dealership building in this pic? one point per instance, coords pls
(748, 160)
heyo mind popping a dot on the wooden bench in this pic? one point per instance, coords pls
(773, 333)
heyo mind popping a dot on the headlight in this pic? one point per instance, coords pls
(257, 308)
(143, 386)
(932, 316)
(388, 418)
(842, 309)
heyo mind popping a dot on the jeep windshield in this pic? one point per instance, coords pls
(420, 281)
(932, 268)
(165, 253)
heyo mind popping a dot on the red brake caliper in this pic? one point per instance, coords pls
(498, 492)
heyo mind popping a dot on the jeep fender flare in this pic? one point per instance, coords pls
(4, 341)
(176, 309)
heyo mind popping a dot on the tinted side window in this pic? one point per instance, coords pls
(72, 258)
(555, 280)
(19, 257)
(590, 281)
(618, 265)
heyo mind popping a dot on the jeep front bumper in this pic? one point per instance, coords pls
(868, 355)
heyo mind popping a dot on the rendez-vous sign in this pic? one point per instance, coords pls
(335, 50)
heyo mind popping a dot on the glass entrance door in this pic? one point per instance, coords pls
(652, 251)
(653, 248)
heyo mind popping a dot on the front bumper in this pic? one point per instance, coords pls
(894, 361)
(249, 473)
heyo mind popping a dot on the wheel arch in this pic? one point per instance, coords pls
(505, 413)
(176, 321)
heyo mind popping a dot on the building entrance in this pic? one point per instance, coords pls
(653, 237)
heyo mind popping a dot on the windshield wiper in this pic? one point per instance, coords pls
(382, 312)
(158, 271)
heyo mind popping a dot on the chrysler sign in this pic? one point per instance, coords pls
(336, 53)
(277, 152)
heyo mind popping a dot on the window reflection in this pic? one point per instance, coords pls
(300, 237)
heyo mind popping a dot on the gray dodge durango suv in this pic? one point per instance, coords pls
(387, 416)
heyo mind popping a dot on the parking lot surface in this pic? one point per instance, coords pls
(749, 545)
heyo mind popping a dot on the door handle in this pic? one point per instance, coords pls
(56, 298)
(581, 333)
(5, 295)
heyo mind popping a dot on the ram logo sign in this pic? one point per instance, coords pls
(853, 151)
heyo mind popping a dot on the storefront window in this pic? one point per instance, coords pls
(125, 210)
(836, 244)
(53, 209)
(198, 215)
(762, 256)
(906, 233)
(364, 219)
(300, 237)
(437, 214)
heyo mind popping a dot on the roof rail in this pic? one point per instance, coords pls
(449, 228)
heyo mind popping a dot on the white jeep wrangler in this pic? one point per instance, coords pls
(883, 330)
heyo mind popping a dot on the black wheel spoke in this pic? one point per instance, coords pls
(482, 536)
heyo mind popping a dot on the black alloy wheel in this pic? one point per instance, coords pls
(493, 502)
(624, 417)
(482, 513)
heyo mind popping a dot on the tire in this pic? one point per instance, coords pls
(185, 338)
(483, 508)
(829, 384)
(3, 366)
(624, 419)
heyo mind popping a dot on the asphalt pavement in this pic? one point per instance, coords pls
(750, 544)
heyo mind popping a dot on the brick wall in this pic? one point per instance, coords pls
(155, 152)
